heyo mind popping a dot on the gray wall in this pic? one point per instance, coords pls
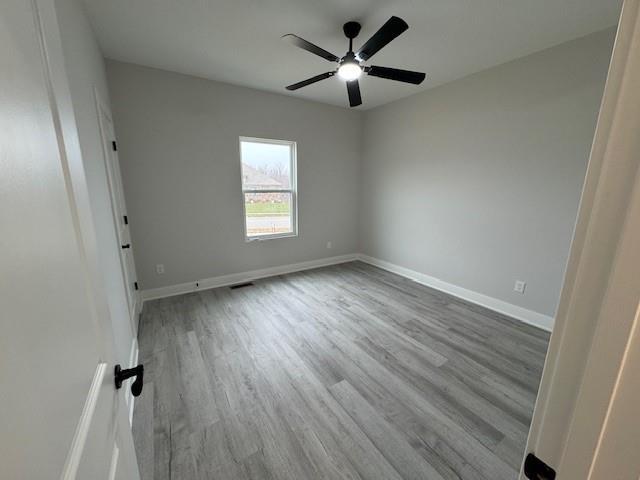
(477, 182)
(85, 69)
(178, 138)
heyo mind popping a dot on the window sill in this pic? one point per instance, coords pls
(262, 238)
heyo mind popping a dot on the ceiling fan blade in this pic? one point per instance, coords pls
(406, 76)
(353, 89)
(310, 47)
(311, 80)
(390, 30)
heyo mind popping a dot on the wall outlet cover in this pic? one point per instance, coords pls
(520, 286)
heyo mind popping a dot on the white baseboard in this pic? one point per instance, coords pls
(536, 319)
(224, 280)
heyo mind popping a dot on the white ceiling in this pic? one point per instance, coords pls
(238, 41)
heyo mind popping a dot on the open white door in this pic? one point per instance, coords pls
(60, 415)
(585, 424)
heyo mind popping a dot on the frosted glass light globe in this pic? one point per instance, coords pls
(349, 71)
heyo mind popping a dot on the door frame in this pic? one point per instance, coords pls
(134, 302)
(133, 297)
(585, 353)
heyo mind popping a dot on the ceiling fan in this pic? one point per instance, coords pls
(350, 67)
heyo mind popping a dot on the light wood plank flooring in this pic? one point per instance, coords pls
(344, 372)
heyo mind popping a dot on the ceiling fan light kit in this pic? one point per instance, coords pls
(350, 69)
(350, 66)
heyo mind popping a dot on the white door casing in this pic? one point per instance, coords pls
(119, 208)
(586, 385)
(616, 455)
(61, 415)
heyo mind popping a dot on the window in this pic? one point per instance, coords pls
(268, 188)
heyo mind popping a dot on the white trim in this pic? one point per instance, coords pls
(536, 319)
(116, 215)
(268, 141)
(133, 361)
(72, 463)
(593, 320)
(113, 468)
(234, 278)
(292, 190)
(269, 236)
(137, 310)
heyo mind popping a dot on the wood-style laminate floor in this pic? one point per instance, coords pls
(344, 372)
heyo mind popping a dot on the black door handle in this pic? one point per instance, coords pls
(128, 245)
(121, 375)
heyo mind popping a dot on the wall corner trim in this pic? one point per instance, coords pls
(233, 278)
(531, 317)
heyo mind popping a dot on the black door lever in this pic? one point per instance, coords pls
(121, 375)
(128, 245)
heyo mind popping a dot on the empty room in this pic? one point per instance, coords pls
(299, 240)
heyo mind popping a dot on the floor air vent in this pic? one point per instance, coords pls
(241, 285)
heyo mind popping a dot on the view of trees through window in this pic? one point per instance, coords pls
(268, 186)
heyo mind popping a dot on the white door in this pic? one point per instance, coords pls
(60, 414)
(119, 208)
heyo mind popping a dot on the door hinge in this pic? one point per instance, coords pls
(126, 220)
(536, 469)
(114, 145)
(135, 285)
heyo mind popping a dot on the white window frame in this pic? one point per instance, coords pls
(293, 188)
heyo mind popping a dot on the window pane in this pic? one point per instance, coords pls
(268, 213)
(265, 166)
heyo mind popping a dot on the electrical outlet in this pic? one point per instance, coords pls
(329, 245)
(520, 286)
(160, 269)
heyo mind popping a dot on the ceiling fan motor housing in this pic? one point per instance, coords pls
(351, 29)
(350, 57)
